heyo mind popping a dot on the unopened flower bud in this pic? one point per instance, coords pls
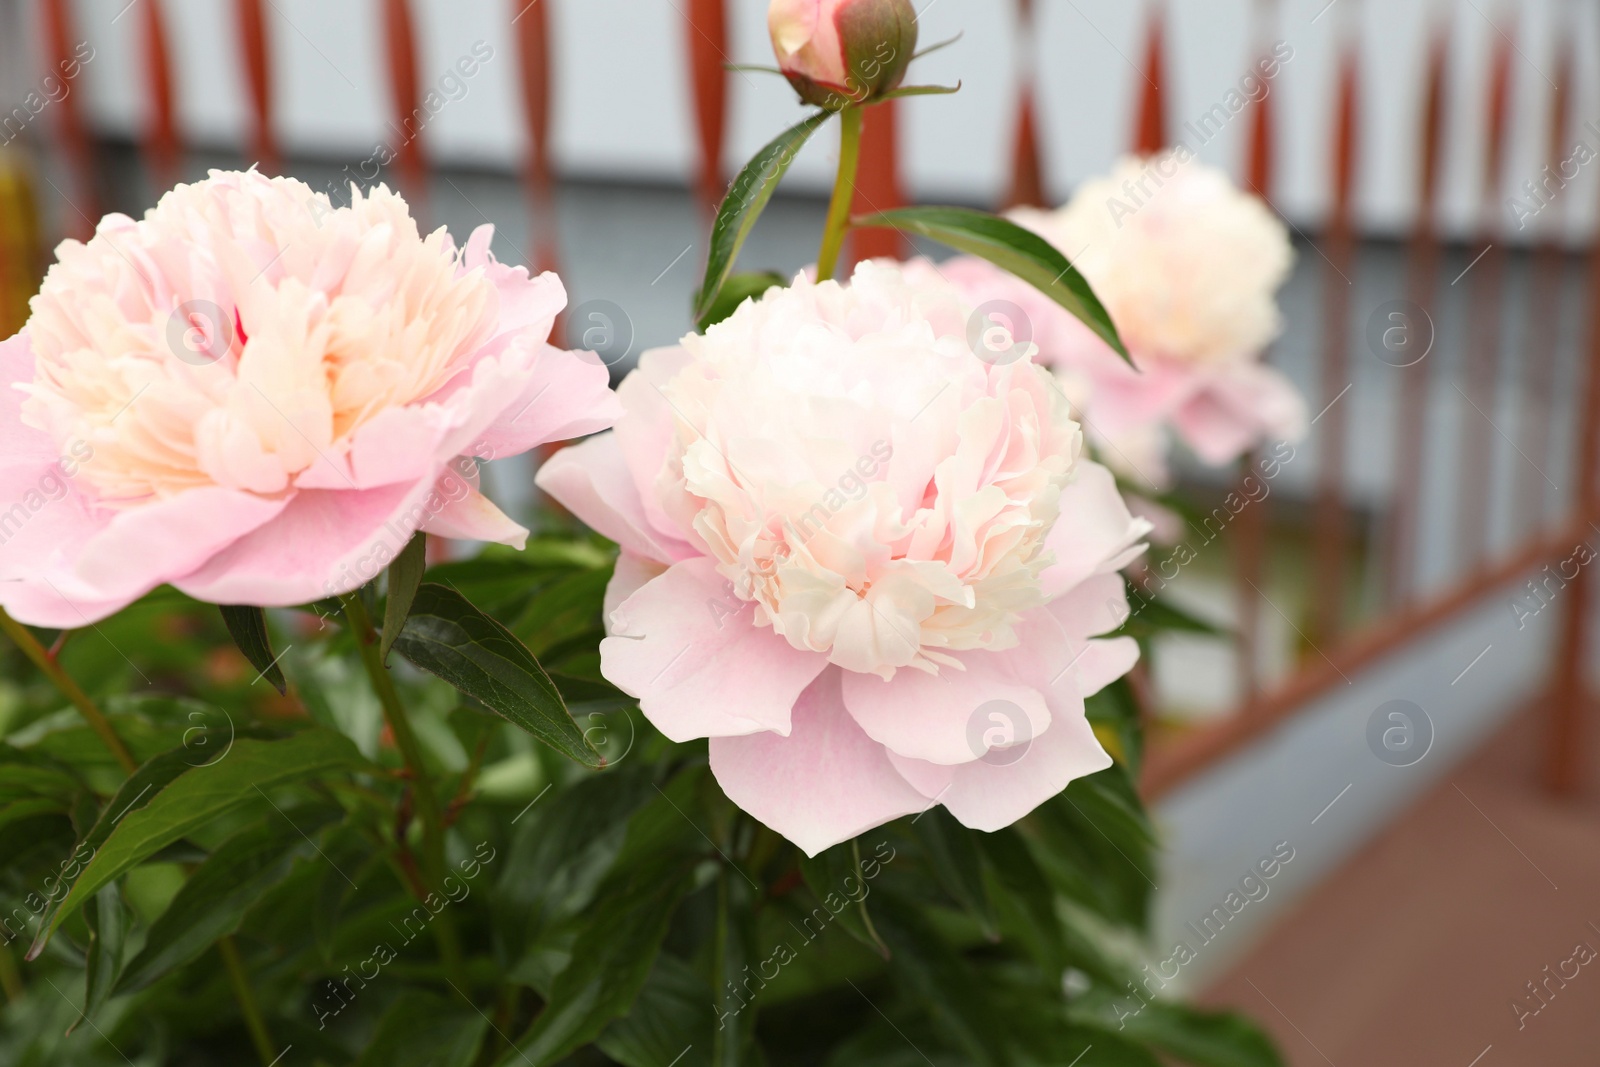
(837, 53)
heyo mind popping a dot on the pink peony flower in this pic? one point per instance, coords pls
(841, 52)
(867, 564)
(1188, 267)
(259, 398)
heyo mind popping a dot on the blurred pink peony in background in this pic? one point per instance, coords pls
(867, 564)
(259, 398)
(841, 52)
(1188, 266)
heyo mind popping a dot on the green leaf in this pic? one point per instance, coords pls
(833, 877)
(957, 863)
(1152, 615)
(215, 898)
(1024, 898)
(1011, 247)
(248, 625)
(1085, 1046)
(736, 290)
(671, 1015)
(447, 636)
(566, 606)
(611, 959)
(405, 575)
(733, 953)
(621, 932)
(1204, 1039)
(942, 981)
(424, 1030)
(747, 198)
(1097, 846)
(562, 847)
(108, 928)
(167, 799)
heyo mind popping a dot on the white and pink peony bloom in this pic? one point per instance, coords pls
(258, 398)
(1188, 267)
(870, 566)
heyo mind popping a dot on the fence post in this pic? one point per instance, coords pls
(253, 49)
(1027, 173)
(1329, 537)
(708, 51)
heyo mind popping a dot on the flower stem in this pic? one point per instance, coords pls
(239, 978)
(70, 689)
(432, 816)
(844, 188)
(10, 978)
(866, 916)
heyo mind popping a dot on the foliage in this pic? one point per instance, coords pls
(444, 838)
(624, 915)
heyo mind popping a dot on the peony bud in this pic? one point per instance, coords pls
(842, 52)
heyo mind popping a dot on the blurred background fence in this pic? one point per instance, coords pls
(1433, 160)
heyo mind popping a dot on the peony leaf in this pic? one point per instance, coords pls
(936, 974)
(108, 929)
(1012, 247)
(422, 1029)
(672, 1012)
(736, 290)
(214, 899)
(957, 864)
(248, 625)
(1096, 844)
(405, 575)
(617, 946)
(449, 637)
(747, 198)
(169, 798)
(1202, 1038)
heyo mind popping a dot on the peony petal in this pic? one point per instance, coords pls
(77, 565)
(691, 652)
(568, 395)
(474, 517)
(592, 481)
(1056, 653)
(396, 445)
(942, 718)
(41, 532)
(1096, 533)
(1239, 407)
(994, 792)
(1095, 606)
(1103, 662)
(19, 443)
(824, 783)
(322, 544)
(632, 573)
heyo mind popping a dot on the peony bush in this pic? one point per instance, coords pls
(797, 729)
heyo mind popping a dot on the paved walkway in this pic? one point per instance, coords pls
(1414, 953)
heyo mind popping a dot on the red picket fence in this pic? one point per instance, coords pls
(1340, 646)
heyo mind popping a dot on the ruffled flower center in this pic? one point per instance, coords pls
(876, 490)
(241, 332)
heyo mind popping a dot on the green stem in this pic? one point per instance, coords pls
(844, 188)
(239, 978)
(866, 916)
(427, 797)
(91, 713)
(10, 977)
